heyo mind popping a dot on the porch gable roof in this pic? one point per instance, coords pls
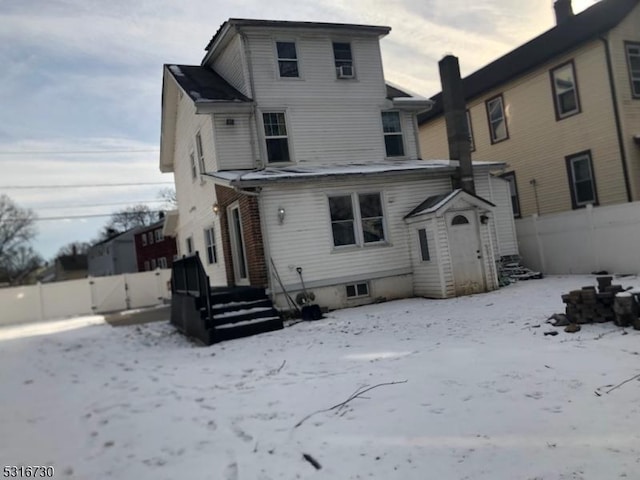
(439, 203)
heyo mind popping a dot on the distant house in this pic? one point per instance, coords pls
(65, 267)
(292, 155)
(153, 248)
(113, 256)
(563, 110)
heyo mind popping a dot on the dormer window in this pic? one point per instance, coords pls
(343, 60)
(287, 60)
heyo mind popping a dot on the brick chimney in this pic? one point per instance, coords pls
(455, 116)
(563, 11)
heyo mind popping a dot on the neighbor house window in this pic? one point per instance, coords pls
(358, 290)
(392, 134)
(159, 235)
(153, 264)
(287, 60)
(343, 60)
(565, 90)
(190, 245)
(497, 119)
(581, 180)
(200, 153)
(513, 191)
(633, 62)
(143, 237)
(194, 169)
(146, 265)
(424, 245)
(210, 245)
(162, 262)
(472, 145)
(275, 132)
(150, 237)
(357, 219)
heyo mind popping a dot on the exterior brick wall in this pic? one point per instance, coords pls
(252, 232)
(154, 251)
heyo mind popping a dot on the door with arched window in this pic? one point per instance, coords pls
(466, 252)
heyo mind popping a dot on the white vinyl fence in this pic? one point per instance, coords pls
(582, 241)
(93, 295)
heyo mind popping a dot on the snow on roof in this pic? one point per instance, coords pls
(435, 202)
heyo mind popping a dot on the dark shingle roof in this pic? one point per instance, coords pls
(585, 26)
(246, 22)
(203, 84)
(393, 92)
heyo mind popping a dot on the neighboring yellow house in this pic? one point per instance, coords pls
(563, 111)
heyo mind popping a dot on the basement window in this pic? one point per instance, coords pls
(357, 290)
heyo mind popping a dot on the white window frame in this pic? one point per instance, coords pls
(393, 134)
(210, 245)
(162, 262)
(560, 115)
(158, 235)
(356, 289)
(472, 143)
(357, 220)
(338, 63)
(200, 152)
(189, 245)
(634, 75)
(276, 137)
(286, 59)
(492, 132)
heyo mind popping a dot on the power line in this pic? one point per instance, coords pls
(96, 215)
(87, 205)
(73, 152)
(84, 185)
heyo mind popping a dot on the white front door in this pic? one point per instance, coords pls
(466, 252)
(238, 254)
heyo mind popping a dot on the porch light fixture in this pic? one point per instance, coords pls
(216, 208)
(281, 214)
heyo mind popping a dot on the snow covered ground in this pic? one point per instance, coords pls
(487, 396)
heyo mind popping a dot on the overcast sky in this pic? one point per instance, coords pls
(86, 76)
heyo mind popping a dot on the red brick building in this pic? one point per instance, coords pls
(153, 249)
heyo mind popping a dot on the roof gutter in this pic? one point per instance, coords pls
(616, 114)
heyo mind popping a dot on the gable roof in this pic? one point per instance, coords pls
(202, 84)
(435, 202)
(590, 23)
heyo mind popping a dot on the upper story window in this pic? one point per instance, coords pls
(159, 236)
(633, 62)
(287, 60)
(150, 236)
(275, 133)
(200, 153)
(497, 119)
(343, 60)
(392, 129)
(210, 245)
(143, 237)
(565, 90)
(472, 144)
(357, 219)
(581, 180)
(513, 192)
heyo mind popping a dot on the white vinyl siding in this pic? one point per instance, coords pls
(233, 142)
(230, 65)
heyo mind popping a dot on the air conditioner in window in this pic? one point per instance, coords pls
(345, 71)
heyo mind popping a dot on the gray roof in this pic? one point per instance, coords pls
(433, 203)
(247, 22)
(587, 25)
(202, 84)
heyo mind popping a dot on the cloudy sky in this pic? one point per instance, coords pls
(81, 80)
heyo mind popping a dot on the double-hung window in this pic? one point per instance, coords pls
(633, 62)
(497, 119)
(392, 129)
(287, 60)
(565, 90)
(343, 60)
(159, 236)
(276, 137)
(357, 219)
(210, 245)
(200, 153)
(162, 262)
(581, 180)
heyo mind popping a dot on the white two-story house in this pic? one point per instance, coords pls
(291, 152)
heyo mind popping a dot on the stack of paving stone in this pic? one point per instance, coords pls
(589, 305)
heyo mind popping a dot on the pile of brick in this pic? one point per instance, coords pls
(590, 305)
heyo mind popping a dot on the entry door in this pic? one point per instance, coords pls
(237, 245)
(466, 252)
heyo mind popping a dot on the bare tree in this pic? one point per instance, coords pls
(130, 217)
(74, 248)
(24, 261)
(169, 196)
(17, 228)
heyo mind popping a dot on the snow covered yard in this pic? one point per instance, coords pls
(487, 396)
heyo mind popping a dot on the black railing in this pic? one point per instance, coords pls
(189, 278)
